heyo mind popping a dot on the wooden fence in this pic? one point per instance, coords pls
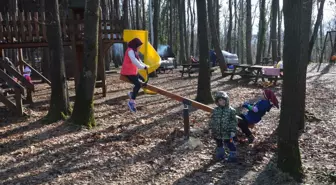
(31, 27)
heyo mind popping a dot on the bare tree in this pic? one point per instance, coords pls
(297, 19)
(228, 44)
(262, 30)
(248, 32)
(316, 27)
(215, 40)
(83, 113)
(203, 88)
(59, 100)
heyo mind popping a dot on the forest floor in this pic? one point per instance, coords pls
(148, 148)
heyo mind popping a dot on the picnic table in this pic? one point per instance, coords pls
(163, 69)
(192, 68)
(255, 72)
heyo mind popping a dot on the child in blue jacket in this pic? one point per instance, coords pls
(256, 112)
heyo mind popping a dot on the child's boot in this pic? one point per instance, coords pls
(250, 138)
(220, 153)
(131, 105)
(232, 156)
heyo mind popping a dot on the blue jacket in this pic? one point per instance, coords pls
(263, 106)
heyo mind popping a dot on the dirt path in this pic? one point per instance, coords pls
(148, 148)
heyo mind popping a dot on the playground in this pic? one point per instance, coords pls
(149, 147)
(67, 115)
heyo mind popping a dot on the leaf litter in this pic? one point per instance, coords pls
(149, 147)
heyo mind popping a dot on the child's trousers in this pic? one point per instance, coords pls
(137, 84)
(244, 126)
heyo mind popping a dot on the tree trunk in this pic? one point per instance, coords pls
(181, 30)
(248, 32)
(262, 31)
(192, 34)
(275, 5)
(170, 37)
(297, 17)
(156, 19)
(279, 31)
(45, 51)
(228, 44)
(235, 45)
(137, 13)
(124, 9)
(186, 45)
(203, 88)
(132, 14)
(125, 14)
(215, 41)
(83, 113)
(241, 31)
(143, 15)
(216, 7)
(316, 27)
(59, 101)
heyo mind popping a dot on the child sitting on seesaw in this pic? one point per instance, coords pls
(223, 126)
(256, 111)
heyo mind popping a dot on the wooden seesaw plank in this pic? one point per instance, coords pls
(174, 96)
(177, 97)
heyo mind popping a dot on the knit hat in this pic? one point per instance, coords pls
(269, 95)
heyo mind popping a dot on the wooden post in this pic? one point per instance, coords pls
(21, 65)
(1, 28)
(186, 122)
(18, 101)
(101, 57)
(30, 27)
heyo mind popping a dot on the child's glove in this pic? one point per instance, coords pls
(246, 105)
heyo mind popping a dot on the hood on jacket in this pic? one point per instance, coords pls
(222, 94)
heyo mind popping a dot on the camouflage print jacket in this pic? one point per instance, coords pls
(223, 121)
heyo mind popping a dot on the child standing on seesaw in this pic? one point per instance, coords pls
(223, 126)
(256, 112)
(130, 67)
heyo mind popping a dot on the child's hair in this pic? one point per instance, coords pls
(269, 95)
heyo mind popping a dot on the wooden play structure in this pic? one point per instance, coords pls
(28, 30)
(331, 38)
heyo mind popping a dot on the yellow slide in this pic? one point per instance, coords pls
(151, 57)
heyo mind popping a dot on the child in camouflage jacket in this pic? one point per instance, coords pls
(223, 126)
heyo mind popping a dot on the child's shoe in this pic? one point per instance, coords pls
(131, 105)
(232, 157)
(251, 139)
(220, 153)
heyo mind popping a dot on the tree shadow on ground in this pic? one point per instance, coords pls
(323, 72)
(73, 156)
(272, 175)
(56, 131)
(230, 173)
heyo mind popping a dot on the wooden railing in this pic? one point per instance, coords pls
(31, 27)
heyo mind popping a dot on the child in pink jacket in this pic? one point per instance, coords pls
(130, 68)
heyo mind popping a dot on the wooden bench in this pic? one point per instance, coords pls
(192, 68)
(166, 68)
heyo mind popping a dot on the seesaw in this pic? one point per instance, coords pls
(186, 102)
